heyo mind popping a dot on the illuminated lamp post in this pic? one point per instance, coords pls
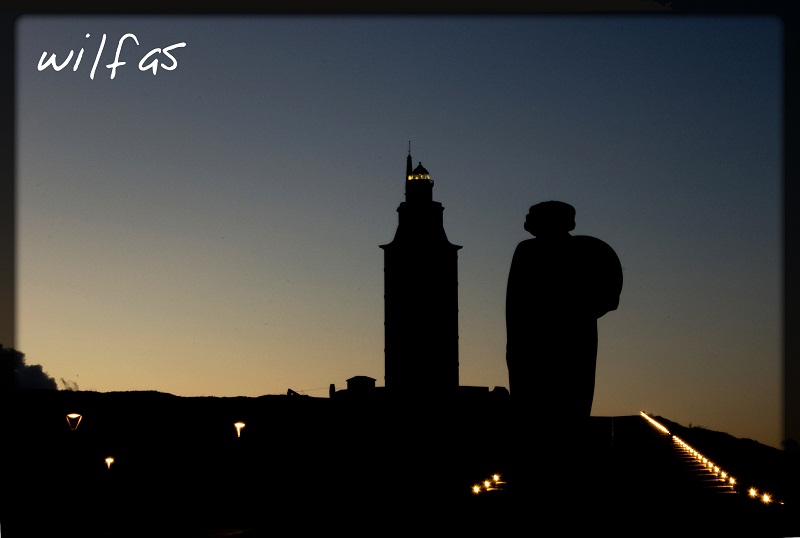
(73, 420)
(109, 461)
(239, 426)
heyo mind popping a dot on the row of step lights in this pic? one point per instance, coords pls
(710, 474)
(490, 484)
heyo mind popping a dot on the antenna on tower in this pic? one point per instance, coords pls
(408, 161)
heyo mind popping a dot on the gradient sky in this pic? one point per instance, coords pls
(214, 230)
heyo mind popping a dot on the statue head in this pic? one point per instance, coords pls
(550, 219)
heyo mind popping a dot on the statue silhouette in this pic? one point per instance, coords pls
(558, 286)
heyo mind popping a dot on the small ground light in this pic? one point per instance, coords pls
(239, 426)
(109, 461)
(73, 420)
(492, 484)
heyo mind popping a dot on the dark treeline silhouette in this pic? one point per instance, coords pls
(16, 375)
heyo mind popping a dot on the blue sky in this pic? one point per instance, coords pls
(214, 229)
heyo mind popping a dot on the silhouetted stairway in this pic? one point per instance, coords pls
(646, 469)
(631, 479)
(647, 459)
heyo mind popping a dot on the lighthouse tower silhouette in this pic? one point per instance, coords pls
(420, 297)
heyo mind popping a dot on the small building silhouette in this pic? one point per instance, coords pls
(361, 384)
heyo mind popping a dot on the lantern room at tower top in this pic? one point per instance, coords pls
(419, 185)
(418, 173)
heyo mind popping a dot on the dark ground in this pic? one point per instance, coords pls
(305, 466)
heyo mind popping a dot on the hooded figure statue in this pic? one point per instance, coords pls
(558, 286)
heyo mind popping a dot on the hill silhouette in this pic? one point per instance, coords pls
(304, 465)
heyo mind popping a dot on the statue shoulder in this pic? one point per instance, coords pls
(590, 240)
(593, 244)
(526, 243)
